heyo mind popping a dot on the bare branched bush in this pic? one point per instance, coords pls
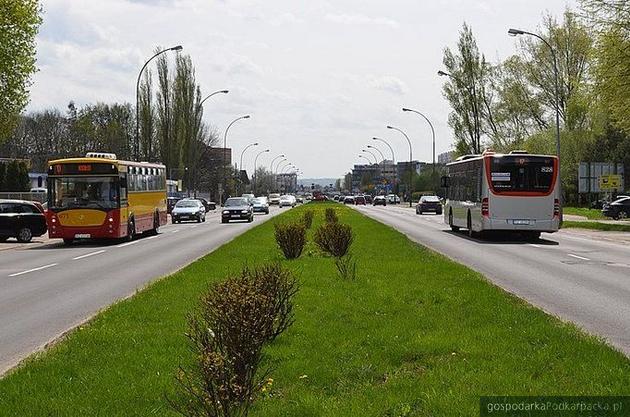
(331, 215)
(334, 238)
(307, 218)
(291, 238)
(234, 320)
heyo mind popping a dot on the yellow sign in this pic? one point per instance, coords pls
(609, 182)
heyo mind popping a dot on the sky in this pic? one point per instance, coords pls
(319, 78)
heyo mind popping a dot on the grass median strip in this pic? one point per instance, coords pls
(591, 214)
(413, 335)
(607, 227)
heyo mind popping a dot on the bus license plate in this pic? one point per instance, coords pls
(82, 236)
(521, 222)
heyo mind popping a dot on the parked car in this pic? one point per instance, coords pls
(237, 208)
(618, 209)
(287, 200)
(379, 200)
(393, 199)
(348, 199)
(188, 209)
(274, 199)
(22, 220)
(170, 203)
(359, 200)
(429, 203)
(260, 205)
(208, 205)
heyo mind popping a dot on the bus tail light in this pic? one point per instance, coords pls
(556, 208)
(485, 207)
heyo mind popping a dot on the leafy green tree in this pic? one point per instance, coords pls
(16, 177)
(19, 23)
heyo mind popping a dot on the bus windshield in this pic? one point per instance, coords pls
(83, 192)
(521, 174)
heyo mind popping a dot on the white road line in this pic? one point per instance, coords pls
(33, 270)
(578, 257)
(133, 242)
(175, 231)
(152, 237)
(536, 246)
(88, 255)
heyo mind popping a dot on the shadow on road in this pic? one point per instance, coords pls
(489, 238)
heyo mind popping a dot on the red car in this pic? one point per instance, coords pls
(359, 200)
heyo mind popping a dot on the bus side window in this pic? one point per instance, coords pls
(123, 190)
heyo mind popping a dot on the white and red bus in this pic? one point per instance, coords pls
(515, 192)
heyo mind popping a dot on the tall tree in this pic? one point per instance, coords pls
(19, 23)
(148, 150)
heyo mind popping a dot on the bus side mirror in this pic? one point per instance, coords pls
(445, 182)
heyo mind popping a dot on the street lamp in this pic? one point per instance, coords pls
(212, 94)
(517, 32)
(388, 145)
(366, 158)
(410, 162)
(373, 156)
(255, 162)
(432, 131)
(240, 165)
(280, 163)
(225, 151)
(137, 144)
(377, 150)
(274, 160)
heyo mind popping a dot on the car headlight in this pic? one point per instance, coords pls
(244, 211)
(226, 212)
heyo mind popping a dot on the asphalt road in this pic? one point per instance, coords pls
(48, 289)
(577, 277)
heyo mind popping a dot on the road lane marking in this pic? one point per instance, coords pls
(133, 242)
(578, 257)
(536, 246)
(175, 231)
(33, 270)
(88, 255)
(153, 237)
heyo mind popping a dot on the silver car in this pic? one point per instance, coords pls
(260, 205)
(188, 209)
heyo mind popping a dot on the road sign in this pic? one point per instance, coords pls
(610, 182)
(589, 174)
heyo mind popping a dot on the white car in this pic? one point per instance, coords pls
(274, 199)
(393, 199)
(287, 200)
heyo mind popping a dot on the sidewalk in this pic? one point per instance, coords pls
(37, 241)
(574, 218)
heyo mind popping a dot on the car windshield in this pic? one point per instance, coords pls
(187, 203)
(623, 200)
(84, 192)
(235, 202)
(521, 173)
(259, 200)
(430, 199)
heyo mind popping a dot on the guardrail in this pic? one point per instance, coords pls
(40, 197)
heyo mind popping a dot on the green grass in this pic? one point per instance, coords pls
(590, 214)
(609, 227)
(414, 335)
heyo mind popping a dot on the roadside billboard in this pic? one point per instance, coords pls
(600, 177)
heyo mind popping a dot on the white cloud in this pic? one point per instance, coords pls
(389, 84)
(358, 19)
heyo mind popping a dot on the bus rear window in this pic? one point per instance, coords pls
(521, 174)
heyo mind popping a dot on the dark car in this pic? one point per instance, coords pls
(368, 199)
(237, 208)
(359, 200)
(22, 220)
(170, 203)
(429, 203)
(618, 209)
(209, 205)
(188, 209)
(379, 200)
(348, 199)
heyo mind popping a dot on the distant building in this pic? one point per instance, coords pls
(38, 180)
(287, 183)
(360, 172)
(402, 168)
(446, 157)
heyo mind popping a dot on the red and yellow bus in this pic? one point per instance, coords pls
(100, 197)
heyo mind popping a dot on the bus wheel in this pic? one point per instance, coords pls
(156, 224)
(450, 222)
(131, 229)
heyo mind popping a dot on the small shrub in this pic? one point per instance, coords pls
(291, 238)
(234, 321)
(331, 215)
(347, 267)
(334, 238)
(307, 218)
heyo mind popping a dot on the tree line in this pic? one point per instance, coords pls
(511, 104)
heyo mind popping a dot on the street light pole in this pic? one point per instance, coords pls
(240, 165)
(137, 144)
(225, 152)
(432, 131)
(373, 156)
(212, 94)
(515, 32)
(377, 150)
(410, 161)
(254, 173)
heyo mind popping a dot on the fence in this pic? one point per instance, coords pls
(40, 197)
